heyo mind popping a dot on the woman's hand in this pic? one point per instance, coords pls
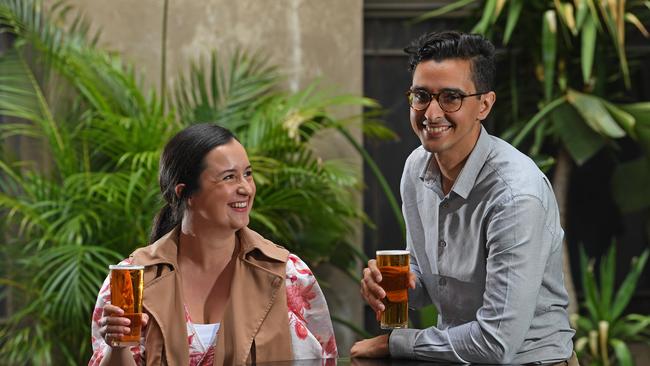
(113, 325)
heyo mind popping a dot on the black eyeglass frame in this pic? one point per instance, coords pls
(435, 96)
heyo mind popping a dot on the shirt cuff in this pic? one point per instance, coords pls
(401, 342)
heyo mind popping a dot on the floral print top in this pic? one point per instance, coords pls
(310, 326)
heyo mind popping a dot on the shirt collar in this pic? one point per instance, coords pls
(473, 165)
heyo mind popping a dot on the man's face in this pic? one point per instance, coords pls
(449, 133)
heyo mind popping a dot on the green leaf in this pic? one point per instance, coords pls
(623, 355)
(624, 119)
(589, 285)
(532, 123)
(625, 292)
(641, 114)
(428, 316)
(607, 276)
(443, 10)
(631, 325)
(580, 141)
(588, 48)
(549, 51)
(630, 183)
(486, 19)
(581, 13)
(514, 10)
(634, 20)
(595, 114)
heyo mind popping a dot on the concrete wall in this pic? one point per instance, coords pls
(307, 39)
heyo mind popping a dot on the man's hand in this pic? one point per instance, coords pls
(371, 348)
(372, 291)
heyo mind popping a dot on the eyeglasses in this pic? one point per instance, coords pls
(448, 100)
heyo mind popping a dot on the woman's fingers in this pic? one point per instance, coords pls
(112, 310)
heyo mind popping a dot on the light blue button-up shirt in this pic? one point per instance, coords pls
(489, 256)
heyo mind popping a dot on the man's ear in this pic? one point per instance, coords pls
(487, 101)
(179, 189)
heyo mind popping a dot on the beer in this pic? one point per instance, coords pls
(126, 292)
(394, 268)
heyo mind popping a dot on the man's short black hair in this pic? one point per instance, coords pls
(439, 46)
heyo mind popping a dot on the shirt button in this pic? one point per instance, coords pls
(445, 204)
(442, 243)
(442, 282)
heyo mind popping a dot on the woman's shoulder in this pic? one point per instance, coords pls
(253, 242)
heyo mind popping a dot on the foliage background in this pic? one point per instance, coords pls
(91, 199)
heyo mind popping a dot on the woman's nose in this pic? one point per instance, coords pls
(244, 187)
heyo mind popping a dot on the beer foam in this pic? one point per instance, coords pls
(125, 266)
(392, 252)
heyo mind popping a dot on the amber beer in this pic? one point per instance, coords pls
(126, 292)
(394, 268)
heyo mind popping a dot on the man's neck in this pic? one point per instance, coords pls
(449, 171)
(451, 163)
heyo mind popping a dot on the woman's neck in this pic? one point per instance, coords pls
(205, 247)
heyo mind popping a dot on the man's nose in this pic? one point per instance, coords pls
(433, 111)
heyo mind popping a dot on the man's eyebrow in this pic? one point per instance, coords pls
(452, 90)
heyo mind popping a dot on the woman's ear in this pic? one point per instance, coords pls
(179, 189)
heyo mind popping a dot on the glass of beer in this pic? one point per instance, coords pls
(394, 268)
(126, 292)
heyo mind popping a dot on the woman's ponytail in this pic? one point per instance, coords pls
(164, 222)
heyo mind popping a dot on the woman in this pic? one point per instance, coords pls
(215, 292)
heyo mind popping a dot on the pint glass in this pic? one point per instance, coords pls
(126, 292)
(394, 268)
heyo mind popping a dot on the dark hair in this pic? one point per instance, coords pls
(439, 46)
(182, 162)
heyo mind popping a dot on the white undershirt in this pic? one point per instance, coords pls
(207, 333)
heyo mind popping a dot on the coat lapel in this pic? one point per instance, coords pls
(257, 297)
(163, 300)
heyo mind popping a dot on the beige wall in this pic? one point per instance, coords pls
(307, 39)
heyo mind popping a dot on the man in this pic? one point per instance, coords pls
(483, 227)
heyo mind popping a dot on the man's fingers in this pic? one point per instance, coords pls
(376, 274)
(371, 298)
(412, 279)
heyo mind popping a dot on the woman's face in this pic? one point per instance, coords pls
(226, 189)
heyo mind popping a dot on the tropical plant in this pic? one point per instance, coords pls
(91, 198)
(576, 55)
(603, 333)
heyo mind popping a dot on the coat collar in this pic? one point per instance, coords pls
(165, 249)
(258, 295)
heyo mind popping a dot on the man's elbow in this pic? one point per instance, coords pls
(499, 355)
